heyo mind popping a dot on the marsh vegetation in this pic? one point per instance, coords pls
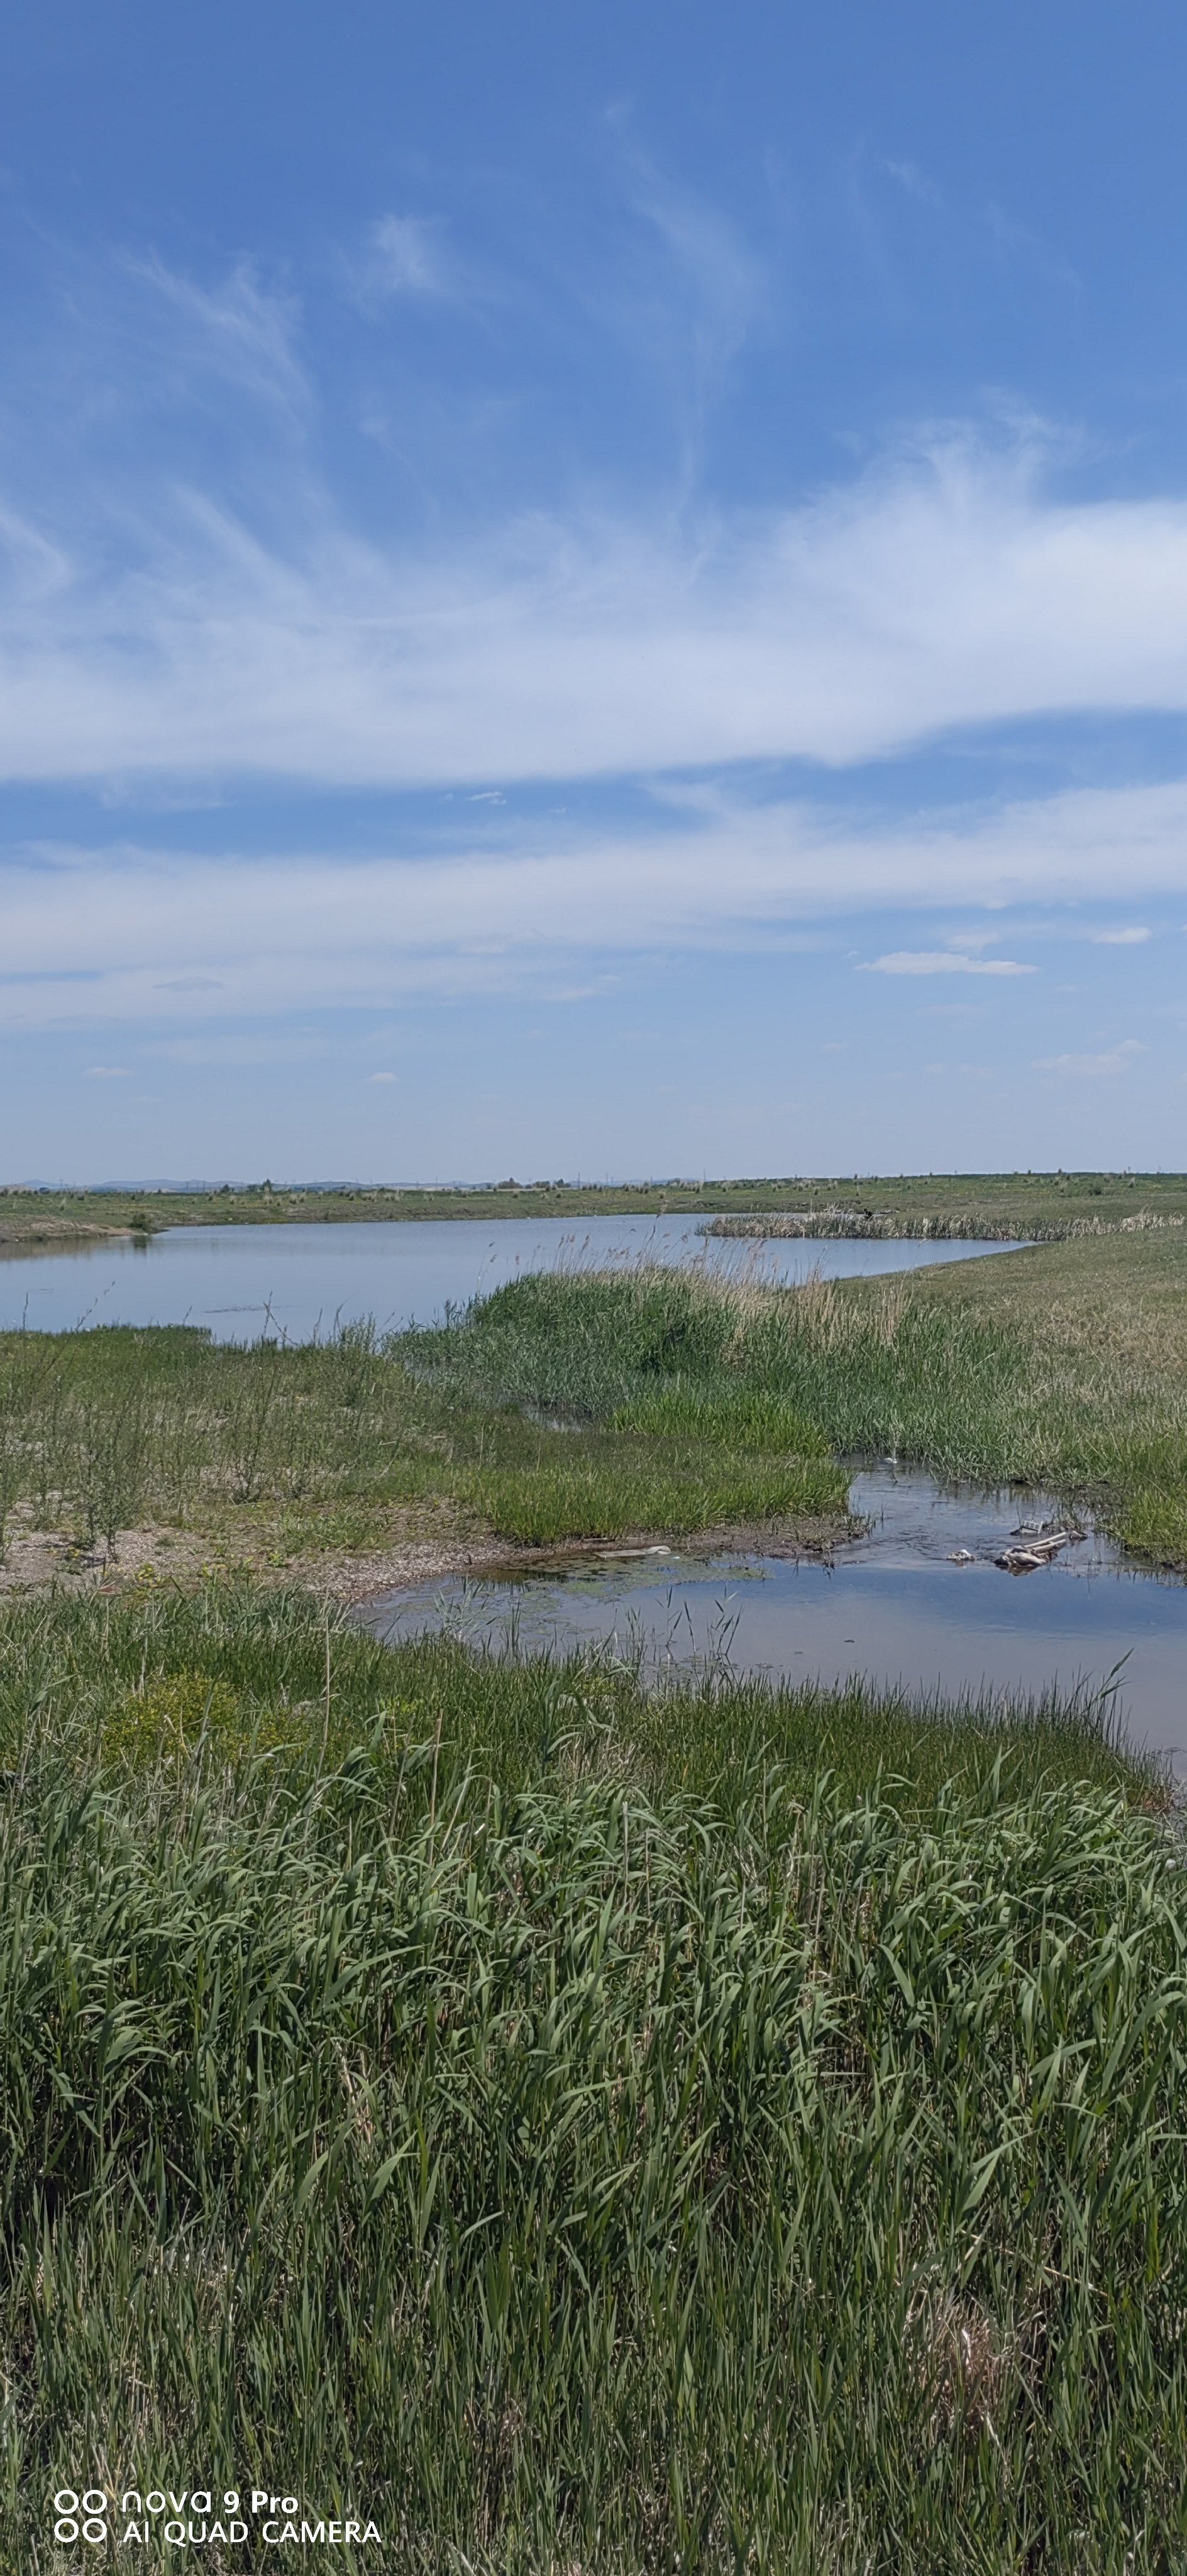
(583, 1406)
(270, 1453)
(591, 2127)
(1064, 1367)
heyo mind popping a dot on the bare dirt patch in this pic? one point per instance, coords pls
(37, 1560)
(51, 1560)
(40, 1561)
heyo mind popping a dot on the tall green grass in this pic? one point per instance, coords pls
(135, 1685)
(851, 1367)
(574, 2170)
(588, 2128)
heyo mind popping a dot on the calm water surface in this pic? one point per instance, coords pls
(297, 1280)
(893, 1606)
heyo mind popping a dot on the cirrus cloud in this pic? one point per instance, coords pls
(408, 257)
(947, 588)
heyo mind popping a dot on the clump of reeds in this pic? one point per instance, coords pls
(987, 1386)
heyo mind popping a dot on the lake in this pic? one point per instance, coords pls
(298, 1280)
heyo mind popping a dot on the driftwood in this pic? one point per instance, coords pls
(1039, 1546)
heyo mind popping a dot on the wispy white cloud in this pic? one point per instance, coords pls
(945, 590)
(1031, 250)
(1120, 938)
(682, 298)
(914, 180)
(240, 329)
(1117, 1059)
(137, 934)
(108, 1073)
(725, 277)
(407, 256)
(161, 638)
(36, 568)
(940, 961)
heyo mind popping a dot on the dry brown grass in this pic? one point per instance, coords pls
(967, 2365)
(1122, 1297)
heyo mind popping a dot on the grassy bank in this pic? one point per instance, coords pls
(572, 2128)
(269, 1455)
(1065, 1366)
(582, 2128)
(136, 1686)
(988, 1204)
(1093, 1344)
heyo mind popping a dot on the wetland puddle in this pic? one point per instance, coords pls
(918, 1601)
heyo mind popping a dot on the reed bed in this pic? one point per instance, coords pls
(987, 1378)
(407, 2080)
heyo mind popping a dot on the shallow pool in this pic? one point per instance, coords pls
(918, 1601)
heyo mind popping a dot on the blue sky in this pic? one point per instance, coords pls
(592, 589)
